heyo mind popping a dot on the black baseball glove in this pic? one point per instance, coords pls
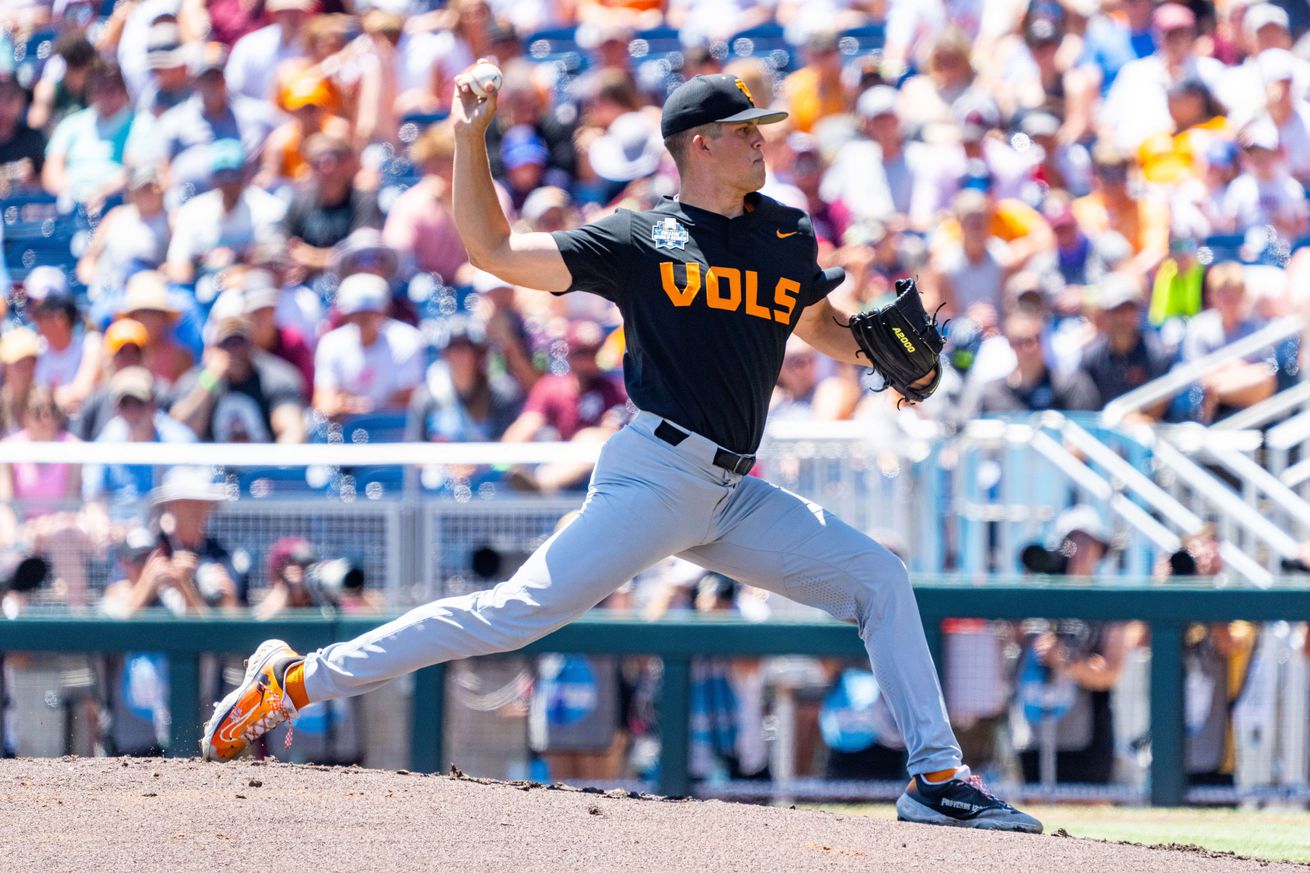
(902, 343)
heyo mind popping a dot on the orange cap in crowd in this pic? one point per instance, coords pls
(124, 332)
(306, 91)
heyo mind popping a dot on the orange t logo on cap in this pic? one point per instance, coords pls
(747, 91)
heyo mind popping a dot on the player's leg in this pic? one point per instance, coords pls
(770, 538)
(640, 508)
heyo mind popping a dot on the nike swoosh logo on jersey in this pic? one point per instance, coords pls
(782, 235)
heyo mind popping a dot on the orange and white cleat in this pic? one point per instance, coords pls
(259, 704)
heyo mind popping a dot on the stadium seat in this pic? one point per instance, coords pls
(30, 56)
(376, 427)
(766, 41)
(655, 42)
(421, 121)
(859, 41)
(272, 482)
(1225, 247)
(37, 233)
(557, 46)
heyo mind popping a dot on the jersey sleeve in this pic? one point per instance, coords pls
(599, 255)
(821, 282)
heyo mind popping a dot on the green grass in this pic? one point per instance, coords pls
(1280, 835)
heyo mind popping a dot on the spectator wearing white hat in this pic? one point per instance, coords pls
(253, 65)
(371, 363)
(1137, 105)
(629, 150)
(1123, 356)
(147, 301)
(185, 500)
(1264, 28)
(168, 61)
(1283, 83)
(877, 173)
(261, 298)
(549, 209)
(1264, 193)
(130, 237)
(181, 141)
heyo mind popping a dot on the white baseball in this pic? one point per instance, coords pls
(485, 78)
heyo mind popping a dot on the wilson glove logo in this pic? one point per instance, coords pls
(905, 340)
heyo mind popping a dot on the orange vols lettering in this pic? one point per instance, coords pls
(680, 296)
(753, 306)
(784, 294)
(713, 288)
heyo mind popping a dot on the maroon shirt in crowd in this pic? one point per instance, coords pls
(568, 410)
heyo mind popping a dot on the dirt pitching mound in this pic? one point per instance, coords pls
(144, 815)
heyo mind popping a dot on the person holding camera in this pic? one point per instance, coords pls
(1069, 668)
(298, 579)
(198, 563)
(1217, 662)
(288, 559)
(134, 720)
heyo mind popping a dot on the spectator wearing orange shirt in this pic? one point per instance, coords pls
(815, 91)
(309, 100)
(1198, 118)
(1112, 206)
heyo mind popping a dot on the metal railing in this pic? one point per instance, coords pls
(1166, 610)
(1182, 376)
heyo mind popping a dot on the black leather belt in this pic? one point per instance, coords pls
(723, 459)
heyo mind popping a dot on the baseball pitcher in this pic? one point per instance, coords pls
(711, 284)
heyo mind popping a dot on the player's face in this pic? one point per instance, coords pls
(739, 153)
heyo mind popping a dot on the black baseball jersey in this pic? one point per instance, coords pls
(708, 303)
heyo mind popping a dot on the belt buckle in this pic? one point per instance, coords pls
(742, 465)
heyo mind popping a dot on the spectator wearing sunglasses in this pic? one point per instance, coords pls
(328, 206)
(1033, 386)
(137, 419)
(240, 393)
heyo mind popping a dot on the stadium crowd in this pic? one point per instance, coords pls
(230, 221)
(248, 204)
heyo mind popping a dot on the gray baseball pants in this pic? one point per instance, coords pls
(648, 500)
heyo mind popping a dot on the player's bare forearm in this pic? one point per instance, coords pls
(820, 325)
(531, 260)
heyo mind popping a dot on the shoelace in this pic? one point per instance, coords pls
(977, 782)
(276, 716)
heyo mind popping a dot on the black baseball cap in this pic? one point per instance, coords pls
(706, 99)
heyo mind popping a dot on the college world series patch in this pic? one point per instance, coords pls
(669, 234)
